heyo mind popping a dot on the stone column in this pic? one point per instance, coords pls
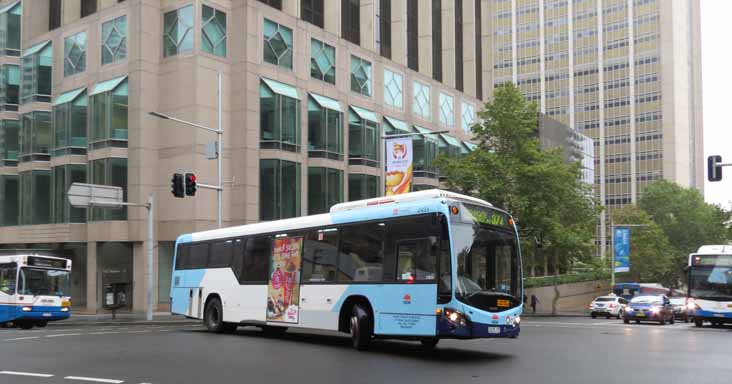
(92, 303)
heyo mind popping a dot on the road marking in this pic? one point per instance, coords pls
(104, 333)
(14, 373)
(24, 338)
(64, 334)
(139, 331)
(94, 379)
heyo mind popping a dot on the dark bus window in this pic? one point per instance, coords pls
(199, 256)
(8, 271)
(320, 255)
(362, 253)
(221, 252)
(183, 256)
(417, 259)
(256, 260)
(237, 260)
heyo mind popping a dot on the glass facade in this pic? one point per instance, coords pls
(279, 189)
(9, 141)
(108, 114)
(114, 40)
(425, 149)
(360, 76)
(69, 124)
(35, 136)
(312, 11)
(75, 54)
(36, 68)
(322, 61)
(279, 116)
(447, 110)
(393, 89)
(35, 197)
(10, 30)
(178, 31)
(115, 269)
(467, 117)
(277, 44)
(165, 270)
(325, 189)
(362, 186)
(9, 87)
(9, 200)
(363, 139)
(325, 129)
(449, 146)
(421, 102)
(63, 176)
(213, 32)
(109, 171)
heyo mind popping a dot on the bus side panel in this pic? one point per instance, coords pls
(185, 291)
(7, 307)
(240, 302)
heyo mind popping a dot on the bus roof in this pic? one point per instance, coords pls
(406, 197)
(714, 250)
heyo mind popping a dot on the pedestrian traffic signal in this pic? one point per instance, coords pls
(714, 168)
(190, 184)
(177, 185)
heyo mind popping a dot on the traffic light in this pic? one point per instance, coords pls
(177, 185)
(714, 168)
(190, 184)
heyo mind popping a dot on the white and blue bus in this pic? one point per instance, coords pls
(710, 285)
(34, 290)
(419, 266)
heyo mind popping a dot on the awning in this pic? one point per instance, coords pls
(426, 132)
(397, 124)
(36, 48)
(68, 96)
(107, 85)
(471, 146)
(9, 6)
(451, 140)
(327, 102)
(365, 114)
(281, 88)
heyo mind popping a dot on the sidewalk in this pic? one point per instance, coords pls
(159, 318)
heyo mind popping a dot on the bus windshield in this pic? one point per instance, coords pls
(711, 283)
(43, 282)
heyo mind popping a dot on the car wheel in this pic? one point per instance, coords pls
(429, 343)
(626, 321)
(360, 328)
(698, 323)
(41, 324)
(607, 316)
(593, 315)
(637, 321)
(686, 319)
(619, 315)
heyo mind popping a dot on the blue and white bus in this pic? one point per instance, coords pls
(34, 290)
(710, 285)
(419, 266)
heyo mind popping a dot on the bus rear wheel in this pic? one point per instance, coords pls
(429, 343)
(360, 328)
(41, 324)
(213, 318)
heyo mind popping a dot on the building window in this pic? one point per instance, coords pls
(385, 28)
(35, 197)
(322, 61)
(325, 189)
(363, 137)
(437, 40)
(351, 20)
(63, 176)
(325, 128)
(10, 27)
(54, 14)
(109, 171)
(273, 3)
(75, 54)
(213, 32)
(312, 11)
(69, 123)
(114, 40)
(467, 117)
(421, 102)
(425, 152)
(277, 44)
(88, 7)
(35, 136)
(413, 34)
(279, 116)
(478, 52)
(108, 114)
(279, 189)
(178, 31)
(360, 76)
(362, 186)
(9, 87)
(9, 142)
(9, 200)
(393, 89)
(36, 68)
(447, 110)
(459, 45)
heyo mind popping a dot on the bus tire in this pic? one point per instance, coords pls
(698, 323)
(429, 342)
(25, 325)
(213, 316)
(41, 324)
(360, 328)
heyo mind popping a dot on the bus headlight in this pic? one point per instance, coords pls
(65, 303)
(455, 317)
(516, 321)
(27, 309)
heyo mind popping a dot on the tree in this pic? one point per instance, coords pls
(543, 191)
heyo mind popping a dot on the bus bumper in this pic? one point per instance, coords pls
(42, 313)
(720, 317)
(472, 330)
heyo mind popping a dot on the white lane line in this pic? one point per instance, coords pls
(23, 338)
(64, 334)
(94, 379)
(139, 331)
(104, 333)
(15, 373)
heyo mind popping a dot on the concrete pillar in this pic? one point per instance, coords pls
(139, 280)
(399, 31)
(92, 303)
(332, 15)
(424, 38)
(368, 25)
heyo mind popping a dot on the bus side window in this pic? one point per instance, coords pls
(362, 253)
(256, 260)
(417, 259)
(7, 278)
(237, 260)
(220, 256)
(199, 255)
(320, 255)
(183, 256)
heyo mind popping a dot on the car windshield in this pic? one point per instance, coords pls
(601, 299)
(45, 282)
(712, 283)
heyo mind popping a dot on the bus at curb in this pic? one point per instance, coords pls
(710, 285)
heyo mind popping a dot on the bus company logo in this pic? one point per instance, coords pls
(407, 299)
(395, 211)
(399, 151)
(495, 316)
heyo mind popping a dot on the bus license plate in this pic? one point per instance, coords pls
(640, 314)
(718, 315)
(494, 330)
(46, 314)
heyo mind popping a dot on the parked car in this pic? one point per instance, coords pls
(649, 308)
(681, 310)
(608, 306)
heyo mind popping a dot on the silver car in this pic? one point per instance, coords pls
(608, 306)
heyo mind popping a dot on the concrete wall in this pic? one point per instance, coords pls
(573, 297)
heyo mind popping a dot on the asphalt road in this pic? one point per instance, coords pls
(549, 350)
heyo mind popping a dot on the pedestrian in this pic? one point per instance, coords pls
(534, 302)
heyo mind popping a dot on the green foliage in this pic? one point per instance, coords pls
(548, 281)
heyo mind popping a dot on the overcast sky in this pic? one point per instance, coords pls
(717, 87)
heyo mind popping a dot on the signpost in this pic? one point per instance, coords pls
(82, 195)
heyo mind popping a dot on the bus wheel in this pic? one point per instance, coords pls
(213, 316)
(41, 324)
(429, 343)
(360, 328)
(274, 331)
(25, 325)
(698, 323)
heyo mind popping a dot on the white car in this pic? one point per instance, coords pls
(608, 306)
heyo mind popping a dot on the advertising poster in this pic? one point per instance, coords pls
(283, 290)
(621, 245)
(398, 165)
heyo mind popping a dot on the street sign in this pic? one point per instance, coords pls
(621, 249)
(82, 195)
(212, 150)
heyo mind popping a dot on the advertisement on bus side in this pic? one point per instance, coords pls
(283, 290)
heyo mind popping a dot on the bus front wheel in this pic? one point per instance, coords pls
(213, 318)
(25, 325)
(360, 328)
(698, 323)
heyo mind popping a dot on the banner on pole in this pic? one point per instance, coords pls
(621, 245)
(398, 178)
